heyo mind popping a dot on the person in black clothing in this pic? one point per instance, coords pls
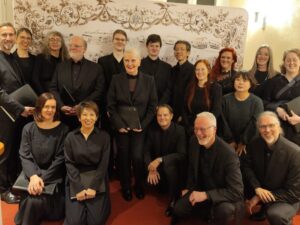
(165, 150)
(131, 89)
(202, 95)
(182, 73)
(22, 55)
(11, 79)
(274, 98)
(42, 158)
(240, 110)
(54, 51)
(86, 156)
(223, 69)
(272, 168)
(112, 64)
(262, 69)
(76, 79)
(214, 181)
(160, 70)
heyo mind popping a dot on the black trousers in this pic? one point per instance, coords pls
(130, 152)
(281, 213)
(220, 213)
(88, 212)
(170, 177)
(10, 135)
(34, 209)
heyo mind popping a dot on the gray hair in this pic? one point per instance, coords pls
(81, 38)
(134, 51)
(209, 116)
(267, 113)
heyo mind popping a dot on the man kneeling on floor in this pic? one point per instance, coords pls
(214, 185)
(272, 168)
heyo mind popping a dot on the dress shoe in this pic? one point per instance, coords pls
(258, 216)
(139, 193)
(127, 195)
(10, 198)
(169, 210)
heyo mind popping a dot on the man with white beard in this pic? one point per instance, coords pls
(272, 169)
(214, 187)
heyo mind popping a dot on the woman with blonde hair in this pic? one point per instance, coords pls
(262, 69)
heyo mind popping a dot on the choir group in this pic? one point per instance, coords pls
(209, 136)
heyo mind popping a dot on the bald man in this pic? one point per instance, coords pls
(76, 80)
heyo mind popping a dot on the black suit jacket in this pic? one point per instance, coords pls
(173, 147)
(9, 82)
(89, 86)
(226, 174)
(162, 77)
(281, 176)
(144, 98)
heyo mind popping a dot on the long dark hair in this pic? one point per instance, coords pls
(194, 84)
(217, 68)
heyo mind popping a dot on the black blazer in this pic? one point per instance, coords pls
(162, 77)
(144, 98)
(282, 176)
(171, 149)
(89, 86)
(226, 174)
(9, 82)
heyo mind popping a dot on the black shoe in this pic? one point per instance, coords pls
(10, 198)
(169, 210)
(139, 193)
(258, 216)
(127, 195)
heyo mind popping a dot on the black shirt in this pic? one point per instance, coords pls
(84, 155)
(43, 71)
(41, 151)
(26, 66)
(225, 80)
(205, 168)
(181, 77)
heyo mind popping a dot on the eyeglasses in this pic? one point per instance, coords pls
(270, 126)
(202, 129)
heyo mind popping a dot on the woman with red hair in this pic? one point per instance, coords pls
(223, 70)
(202, 95)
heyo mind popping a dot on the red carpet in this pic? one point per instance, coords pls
(149, 211)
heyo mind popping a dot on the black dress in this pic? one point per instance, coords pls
(83, 155)
(43, 72)
(41, 153)
(26, 66)
(198, 105)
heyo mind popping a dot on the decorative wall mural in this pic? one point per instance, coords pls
(207, 28)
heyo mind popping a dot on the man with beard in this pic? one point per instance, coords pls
(76, 80)
(272, 168)
(214, 187)
(11, 79)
